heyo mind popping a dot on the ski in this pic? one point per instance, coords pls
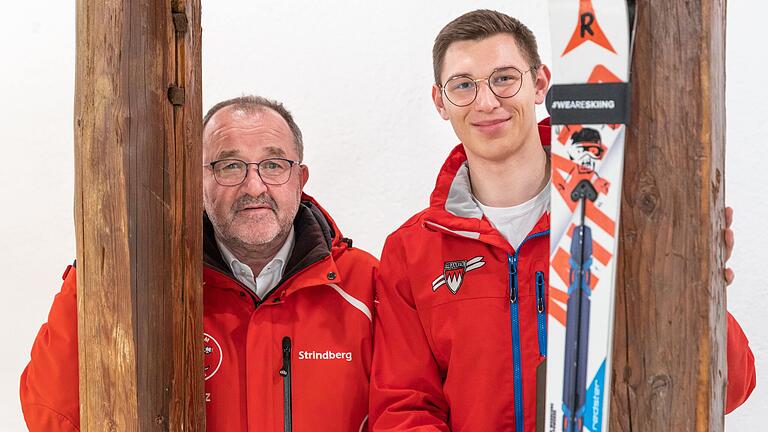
(589, 108)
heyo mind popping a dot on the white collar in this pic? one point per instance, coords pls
(269, 276)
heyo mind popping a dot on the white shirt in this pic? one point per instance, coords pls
(516, 222)
(269, 276)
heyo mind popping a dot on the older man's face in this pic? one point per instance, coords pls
(252, 213)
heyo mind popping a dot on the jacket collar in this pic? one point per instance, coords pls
(453, 210)
(317, 240)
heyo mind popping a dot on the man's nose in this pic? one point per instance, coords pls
(253, 184)
(486, 99)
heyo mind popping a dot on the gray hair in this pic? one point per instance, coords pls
(253, 104)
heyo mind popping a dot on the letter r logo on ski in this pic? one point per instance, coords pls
(454, 271)
(587, 28)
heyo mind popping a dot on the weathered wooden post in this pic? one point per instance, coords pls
(669, 369)
(138, 211)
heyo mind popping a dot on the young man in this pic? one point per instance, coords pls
(457, 343)
(277, 274)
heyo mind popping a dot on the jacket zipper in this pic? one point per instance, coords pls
(541, 315)
(285, 372)
(516, 364)
(517, 369)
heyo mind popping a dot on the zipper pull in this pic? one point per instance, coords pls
(513, 292)
(512, 278)
(512, 260)
(540, 292)
(285, 370)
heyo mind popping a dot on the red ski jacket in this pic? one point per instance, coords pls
(321, 310)
(459, 333)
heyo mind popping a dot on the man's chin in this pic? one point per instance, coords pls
(257, 237)
(491, 150)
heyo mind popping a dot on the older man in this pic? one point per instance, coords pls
(287, 299)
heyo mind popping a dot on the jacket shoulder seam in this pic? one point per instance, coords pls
(60, 415)
(412, 221)
(356, 250)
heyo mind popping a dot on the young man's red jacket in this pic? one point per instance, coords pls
(443, 357)
(323, 304)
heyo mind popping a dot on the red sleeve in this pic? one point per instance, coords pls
(741, 366)
(406, 385)
(49, 384)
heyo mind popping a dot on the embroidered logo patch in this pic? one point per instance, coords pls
(454, 271)
(213, 356)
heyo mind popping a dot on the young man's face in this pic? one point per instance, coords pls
(251, 213)
(491, 127)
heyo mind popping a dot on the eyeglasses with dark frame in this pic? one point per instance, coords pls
(232, 172)
(504, 82)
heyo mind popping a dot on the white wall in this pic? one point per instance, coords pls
(747, 136)
(357, 77)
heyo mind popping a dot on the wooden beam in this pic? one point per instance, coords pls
(669, 358)
(138, 214)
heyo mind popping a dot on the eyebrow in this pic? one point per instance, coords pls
(271, 151)
(466, 74)
(460, 74)
(227, 154)
(275, 151)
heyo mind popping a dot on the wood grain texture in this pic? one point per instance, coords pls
(138, 210)
(669, 358)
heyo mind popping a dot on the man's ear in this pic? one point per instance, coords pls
(541, 83)
(304, 175)
(437, 98)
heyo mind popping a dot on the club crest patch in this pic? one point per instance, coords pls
(454, 272)
(213, 356)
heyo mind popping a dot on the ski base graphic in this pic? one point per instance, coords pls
(589, 108)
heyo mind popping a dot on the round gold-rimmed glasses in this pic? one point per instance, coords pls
(506, 82)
